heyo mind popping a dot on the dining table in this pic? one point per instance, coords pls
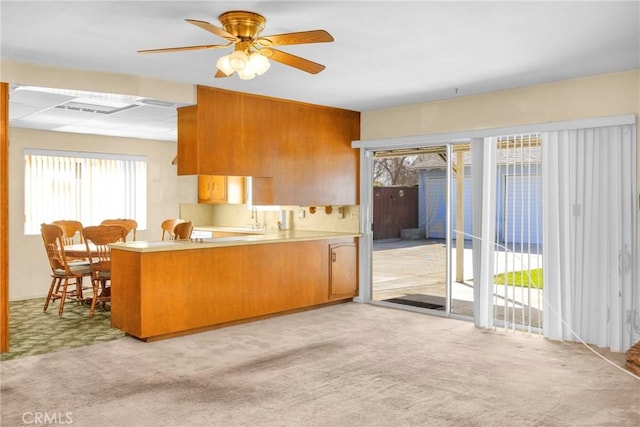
(77, 250)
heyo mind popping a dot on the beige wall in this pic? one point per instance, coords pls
(604, 95)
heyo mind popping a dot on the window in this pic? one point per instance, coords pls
(87, 187)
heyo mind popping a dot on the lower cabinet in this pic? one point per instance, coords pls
(161, 293)
(343, 270)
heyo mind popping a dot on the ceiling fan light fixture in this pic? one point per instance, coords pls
(246, 74)
(260, 64)
(224, 66)
(238, 60)
(251, 52)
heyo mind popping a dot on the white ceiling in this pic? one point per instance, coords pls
(92, 113)
(385, 53)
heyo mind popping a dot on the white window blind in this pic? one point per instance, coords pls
(518, 258)
(87, 187)
(589, 236)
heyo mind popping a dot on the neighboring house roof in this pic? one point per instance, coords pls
(526, 155)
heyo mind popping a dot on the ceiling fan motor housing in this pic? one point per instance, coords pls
(245, 25)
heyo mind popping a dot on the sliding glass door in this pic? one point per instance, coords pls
(425, 263)
(534, 230)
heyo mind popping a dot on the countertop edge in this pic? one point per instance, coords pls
(254, 239)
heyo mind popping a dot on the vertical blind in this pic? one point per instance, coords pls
(589, 236)
(569, 209)
(87, 187)
(507, 228)
(518, 297)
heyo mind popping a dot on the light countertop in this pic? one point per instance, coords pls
(253, 239)
(214, 228)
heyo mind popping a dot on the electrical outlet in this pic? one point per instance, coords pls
(353, 215)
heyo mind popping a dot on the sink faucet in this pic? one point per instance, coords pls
(254, 217)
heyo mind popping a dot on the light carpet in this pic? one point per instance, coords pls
(344, 365)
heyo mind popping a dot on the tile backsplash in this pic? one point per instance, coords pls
(329, 218)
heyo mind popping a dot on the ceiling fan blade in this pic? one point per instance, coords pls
(178, 49)
(302, 37)
(220, 74)
(213, 29)
(292, 60)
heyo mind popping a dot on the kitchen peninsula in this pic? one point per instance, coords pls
(296, 154)
(168, 288)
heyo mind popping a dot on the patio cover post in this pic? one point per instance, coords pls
(460, 216)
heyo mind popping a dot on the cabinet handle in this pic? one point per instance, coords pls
(333, 256)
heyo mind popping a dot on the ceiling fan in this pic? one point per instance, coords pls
(251, 51)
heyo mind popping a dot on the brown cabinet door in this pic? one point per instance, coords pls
(187, 140)
(316, 164)
(234, 134)
(212, 189)
(221, 189)
(343, 277)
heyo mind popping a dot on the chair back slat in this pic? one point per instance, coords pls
(130, 225)
(72, 230)
(97, 239)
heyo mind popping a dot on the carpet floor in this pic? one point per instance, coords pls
(32, 331)
(343, 365)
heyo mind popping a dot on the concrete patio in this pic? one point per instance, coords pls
(415, 270)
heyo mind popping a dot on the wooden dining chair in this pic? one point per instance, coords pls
(97, 238)
(72, 230)
(129, 224)
(63, 274)
(168, 225)
(182, 231)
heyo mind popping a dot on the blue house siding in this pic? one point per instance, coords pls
(519, 206)
(518, 209)
(432, 200)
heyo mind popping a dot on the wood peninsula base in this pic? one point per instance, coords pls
(164, 293)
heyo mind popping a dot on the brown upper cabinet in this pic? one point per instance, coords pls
(188, 140)
(221, 189)
(235, 189)
(305, 149)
